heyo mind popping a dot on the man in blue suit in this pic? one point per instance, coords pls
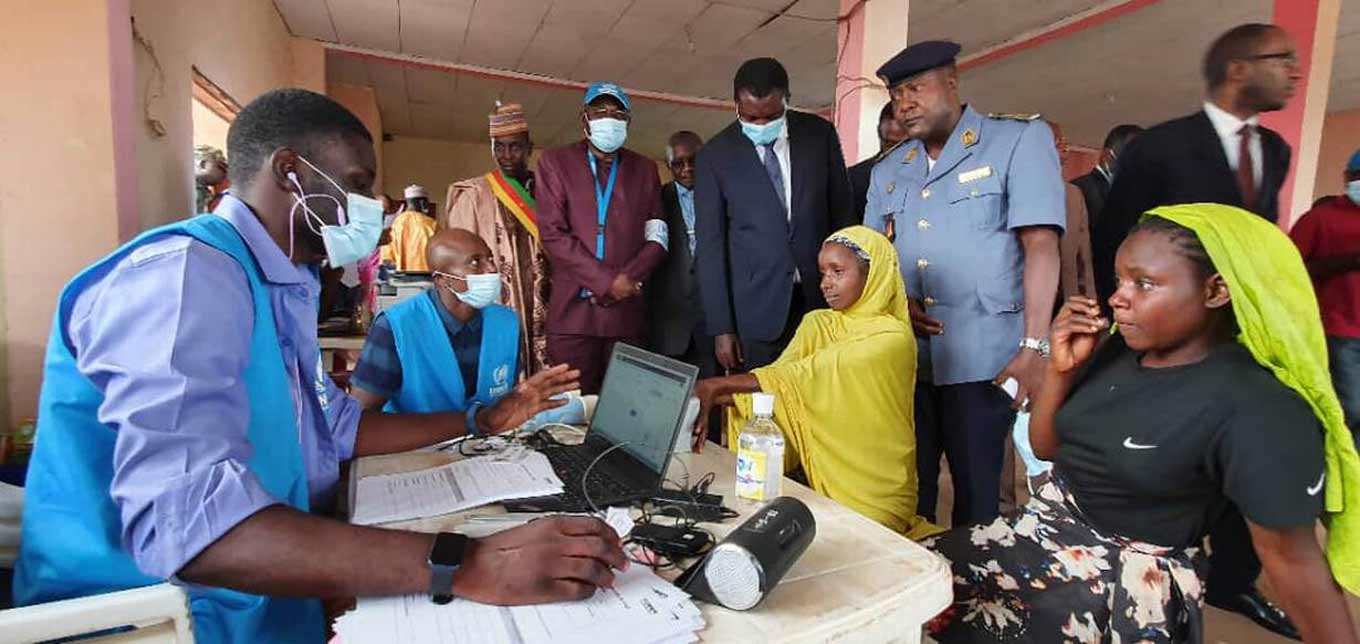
(769, 189)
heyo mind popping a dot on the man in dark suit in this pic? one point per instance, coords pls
(769, 189)
(1219, 154)
(1095, 185)
(677, 315)
(890, 133)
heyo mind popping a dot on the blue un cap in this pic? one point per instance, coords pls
(1354, 164)
(916, 59)
(602, 88)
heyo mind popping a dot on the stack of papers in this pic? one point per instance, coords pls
(641, 607)
(460, 485)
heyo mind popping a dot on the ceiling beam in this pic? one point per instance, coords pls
(1097, 15)
(526, 78)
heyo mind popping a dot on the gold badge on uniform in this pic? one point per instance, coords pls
(969, 137)
(911, 156)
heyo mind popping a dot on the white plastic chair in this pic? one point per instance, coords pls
(159, 615)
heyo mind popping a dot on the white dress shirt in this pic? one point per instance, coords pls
(781, 151)
(1228, 127)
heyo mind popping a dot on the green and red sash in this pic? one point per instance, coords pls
(516, 199)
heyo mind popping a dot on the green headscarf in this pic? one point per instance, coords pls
(1277, 313)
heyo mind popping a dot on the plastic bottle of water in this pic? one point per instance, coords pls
(760, 455)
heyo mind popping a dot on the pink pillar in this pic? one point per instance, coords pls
(868, 34)
(1312, 25)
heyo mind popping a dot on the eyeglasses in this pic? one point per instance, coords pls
(593, 113)
(1289, 57)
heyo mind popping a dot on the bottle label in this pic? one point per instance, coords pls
(751, 474)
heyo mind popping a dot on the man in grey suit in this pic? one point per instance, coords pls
(770, 188)
(677, 315)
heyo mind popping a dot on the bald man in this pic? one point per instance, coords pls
(405, 363)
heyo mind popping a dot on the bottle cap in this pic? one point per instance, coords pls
(763, 404)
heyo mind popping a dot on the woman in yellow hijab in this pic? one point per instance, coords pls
(843, 387)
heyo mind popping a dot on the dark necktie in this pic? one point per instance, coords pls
(776, 175)
(1246, 171)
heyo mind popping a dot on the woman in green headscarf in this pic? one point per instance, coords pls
(843, 387)
(1214, 391)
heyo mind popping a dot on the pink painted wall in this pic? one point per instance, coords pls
(60, 198)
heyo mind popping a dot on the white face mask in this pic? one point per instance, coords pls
(356, 235)
(483, 289)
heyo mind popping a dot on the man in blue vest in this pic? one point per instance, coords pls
(186, 430)
(405, 363)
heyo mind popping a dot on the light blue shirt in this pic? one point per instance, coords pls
(686, 196)
(165, 335)
(956, 220)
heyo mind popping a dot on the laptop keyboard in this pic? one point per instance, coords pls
(570, 463)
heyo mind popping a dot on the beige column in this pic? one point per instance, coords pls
(872, 32)
(309, 64)
(68, 193)
(1312, 24)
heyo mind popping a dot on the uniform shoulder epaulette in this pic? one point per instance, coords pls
(1013, 116)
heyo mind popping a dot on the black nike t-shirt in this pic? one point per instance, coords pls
(1156, 454)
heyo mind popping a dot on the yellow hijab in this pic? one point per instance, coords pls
(1277, 312)
(844, 396)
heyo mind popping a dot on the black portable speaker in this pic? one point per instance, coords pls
(739, 572)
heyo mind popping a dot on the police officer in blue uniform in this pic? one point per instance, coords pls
(974, 205)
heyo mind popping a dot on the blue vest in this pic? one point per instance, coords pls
(430, 378)
(71, 544)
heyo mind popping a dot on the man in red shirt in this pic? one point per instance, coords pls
(600, 218)
(1328, 237)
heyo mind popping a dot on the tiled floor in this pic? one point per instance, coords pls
(1220, 627)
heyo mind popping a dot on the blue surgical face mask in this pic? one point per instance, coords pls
(608, 134)
(483, 289)
(360, 222)
(1353, 191)
(764, 134)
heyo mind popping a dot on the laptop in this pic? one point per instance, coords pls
(636, 423)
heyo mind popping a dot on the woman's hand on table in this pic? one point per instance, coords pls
(530, 397)
(547, 560)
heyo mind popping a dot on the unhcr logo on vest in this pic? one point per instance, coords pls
(501, 380)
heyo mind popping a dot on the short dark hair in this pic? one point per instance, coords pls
(1237, 43)
(886, 113)
(1120, 135)
(685, 136)
(285, 118)
(760, 77)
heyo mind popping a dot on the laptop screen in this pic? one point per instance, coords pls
(641, 401)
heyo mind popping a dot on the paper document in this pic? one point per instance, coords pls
(641, 607)
(454, 487)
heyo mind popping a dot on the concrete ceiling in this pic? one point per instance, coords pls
(1141, 67)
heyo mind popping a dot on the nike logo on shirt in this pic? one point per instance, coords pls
(1129, 444)
(1313, 490)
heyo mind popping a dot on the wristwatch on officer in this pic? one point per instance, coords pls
(445, 556)
(1038, 345)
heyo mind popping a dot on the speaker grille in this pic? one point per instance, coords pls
(734, 576)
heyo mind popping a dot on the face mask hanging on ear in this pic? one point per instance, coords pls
(360, 222)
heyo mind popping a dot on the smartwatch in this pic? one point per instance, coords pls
(445, 556)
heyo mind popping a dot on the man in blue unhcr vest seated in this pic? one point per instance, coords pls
(186, 430)
(452, 348)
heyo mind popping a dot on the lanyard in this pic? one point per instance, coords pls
(602, 199)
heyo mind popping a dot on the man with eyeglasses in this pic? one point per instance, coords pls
(1220, 154)
(599, 216)
(499, 207)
